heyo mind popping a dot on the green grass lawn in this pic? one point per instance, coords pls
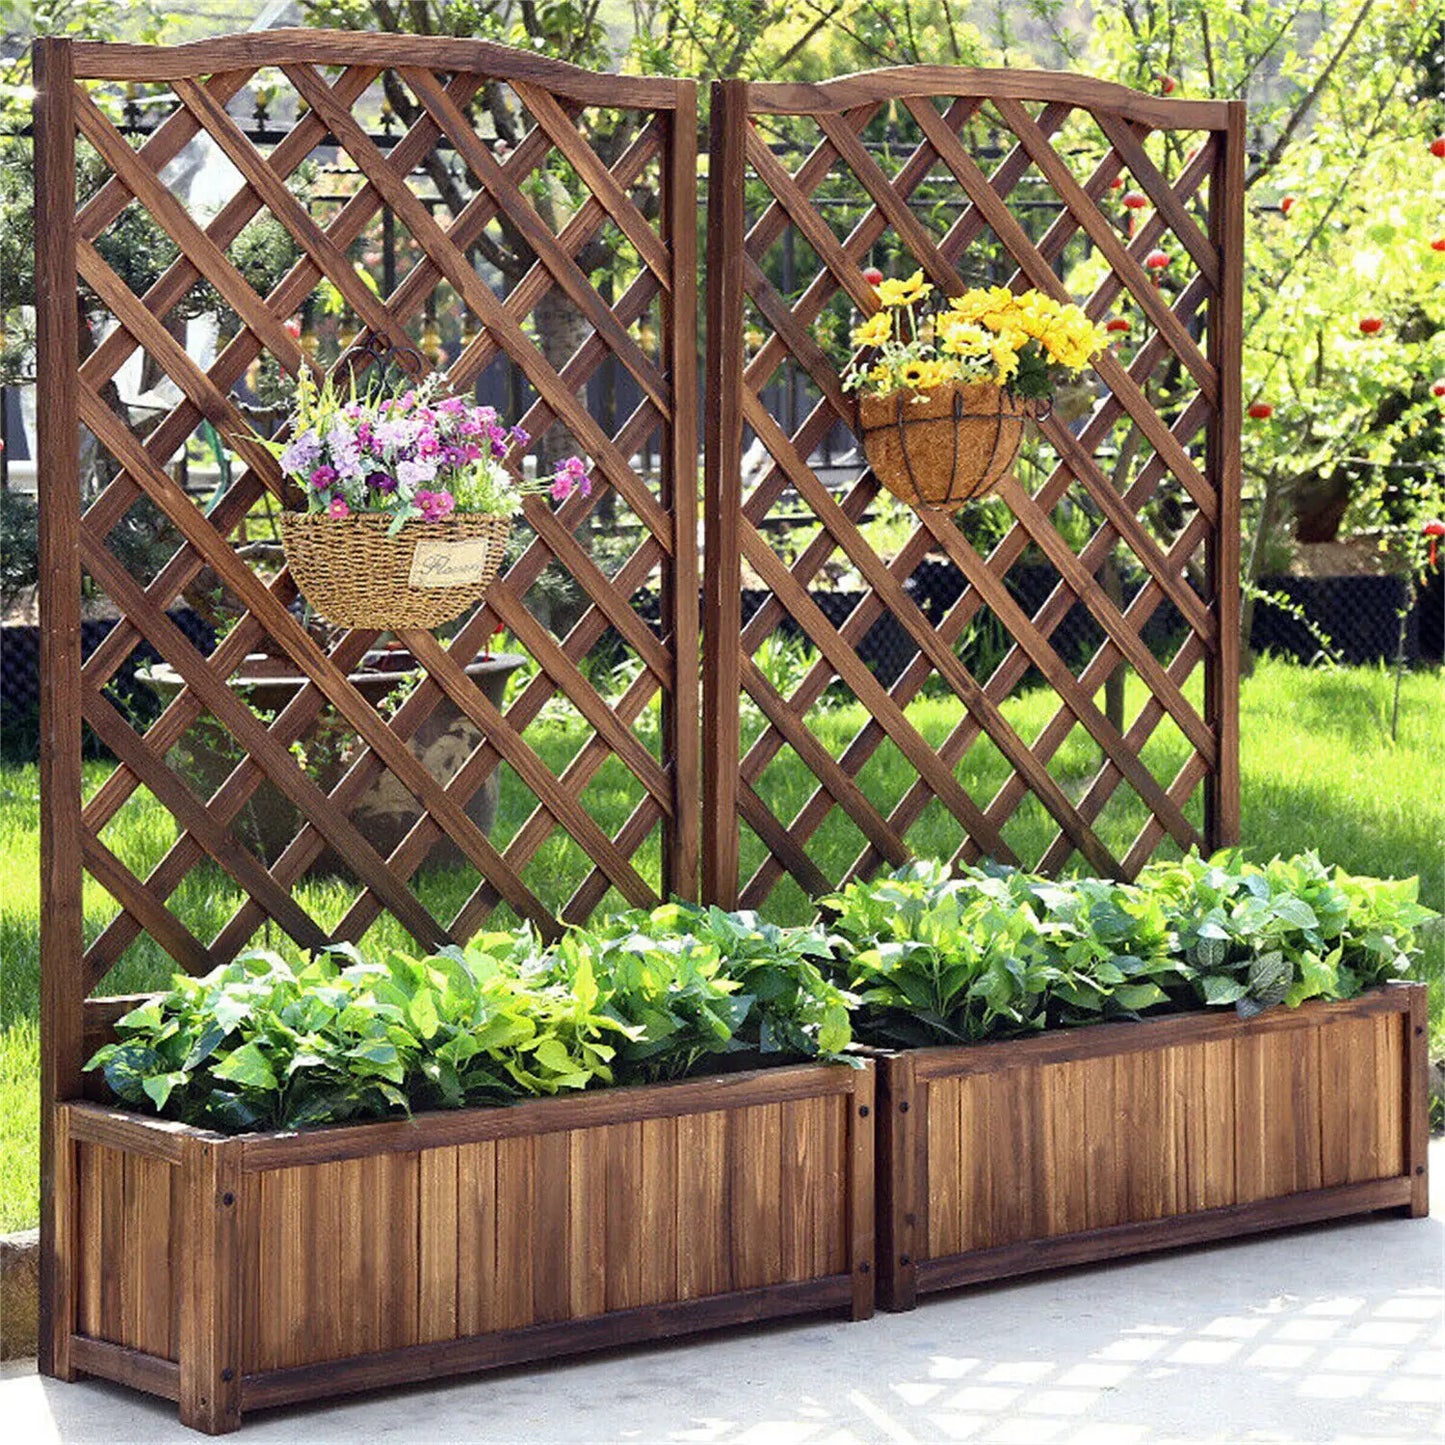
(1319, 771)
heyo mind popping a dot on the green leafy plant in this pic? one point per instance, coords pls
(954, 959)
(257, 1044)
(690, 982)
(1286, 931)
(946, 959)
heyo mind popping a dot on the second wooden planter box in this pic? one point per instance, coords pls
(234, 1273)
(1003, 1158)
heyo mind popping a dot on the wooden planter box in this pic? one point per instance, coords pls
(235, 1273)
(1004, 1158)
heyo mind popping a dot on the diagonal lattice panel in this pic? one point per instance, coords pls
(1152, 445)
(453, 195)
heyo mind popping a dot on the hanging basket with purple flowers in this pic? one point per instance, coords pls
(409, 502)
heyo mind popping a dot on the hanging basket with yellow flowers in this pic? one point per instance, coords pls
(944, 393)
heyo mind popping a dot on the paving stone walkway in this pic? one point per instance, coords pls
(1335, 1333)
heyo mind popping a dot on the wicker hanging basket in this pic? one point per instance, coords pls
(355, 575)
(936, 449)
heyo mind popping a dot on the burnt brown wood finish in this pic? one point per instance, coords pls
(103, 1191)
(237, 1273)
(650, 331)
(1022, 1155)
(1168, 405)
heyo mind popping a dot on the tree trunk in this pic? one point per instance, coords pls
(1269, 512)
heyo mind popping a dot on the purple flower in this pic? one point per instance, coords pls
(338, 508)
(381, 482)
(323, 477)
(411, 474)
(300, 452)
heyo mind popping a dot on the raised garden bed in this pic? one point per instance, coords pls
(232, 1273)
(1009, 1157)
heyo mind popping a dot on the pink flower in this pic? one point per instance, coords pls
(571, 476)
(338, 508)
(435, 506)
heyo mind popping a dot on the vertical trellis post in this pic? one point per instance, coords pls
(679, 497)
(1226, 342)
(58, 489)
(722, 506)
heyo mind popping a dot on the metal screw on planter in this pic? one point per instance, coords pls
(939, 448)
(356, 573)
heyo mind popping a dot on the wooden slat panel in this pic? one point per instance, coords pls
(832, 1226)
(1143, 1137)
(90, 1172)
(657, 1244)
(803, 1126)
(111, 1201)
(946, 1166)
(439, 1258)
(156, 1304)
(1251, 1122)
(1067, 1204)
(1389, 1092)
(1357, 1042)
(627, 1207)
(518, 1223)
(1101, 1167)
(1011, 1145)
(478, 1306)
(1300, 1161)
(1218, 1113)
(356, 1269)
(703, 1205)
(589, 1222)
(753, 1188)
(548, 1227)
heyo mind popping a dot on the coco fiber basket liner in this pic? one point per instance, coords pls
(355, 575)
(938, 448)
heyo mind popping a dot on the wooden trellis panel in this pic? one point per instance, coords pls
(785, 159)
(621, 153)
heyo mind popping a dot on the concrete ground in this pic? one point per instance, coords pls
(1335, 1333)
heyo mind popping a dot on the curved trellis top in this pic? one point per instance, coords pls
(809, 184)
(543, 221)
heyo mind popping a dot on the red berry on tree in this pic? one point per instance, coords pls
(1166, 83)
(1438, 244)
(1434, 531)
(1135, 200)
(1157, 260)
(1437, 387)
(1117, 323)
(1117, 184)
(1369, 325)
(872, 275)
(1261, 411)
(1286, 205)
(1437, 146)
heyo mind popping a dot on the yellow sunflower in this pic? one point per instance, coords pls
(877, 329)
(893, 293)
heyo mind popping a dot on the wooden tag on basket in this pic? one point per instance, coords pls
(448, 564)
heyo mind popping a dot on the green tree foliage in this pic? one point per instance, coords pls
(1344, 288)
